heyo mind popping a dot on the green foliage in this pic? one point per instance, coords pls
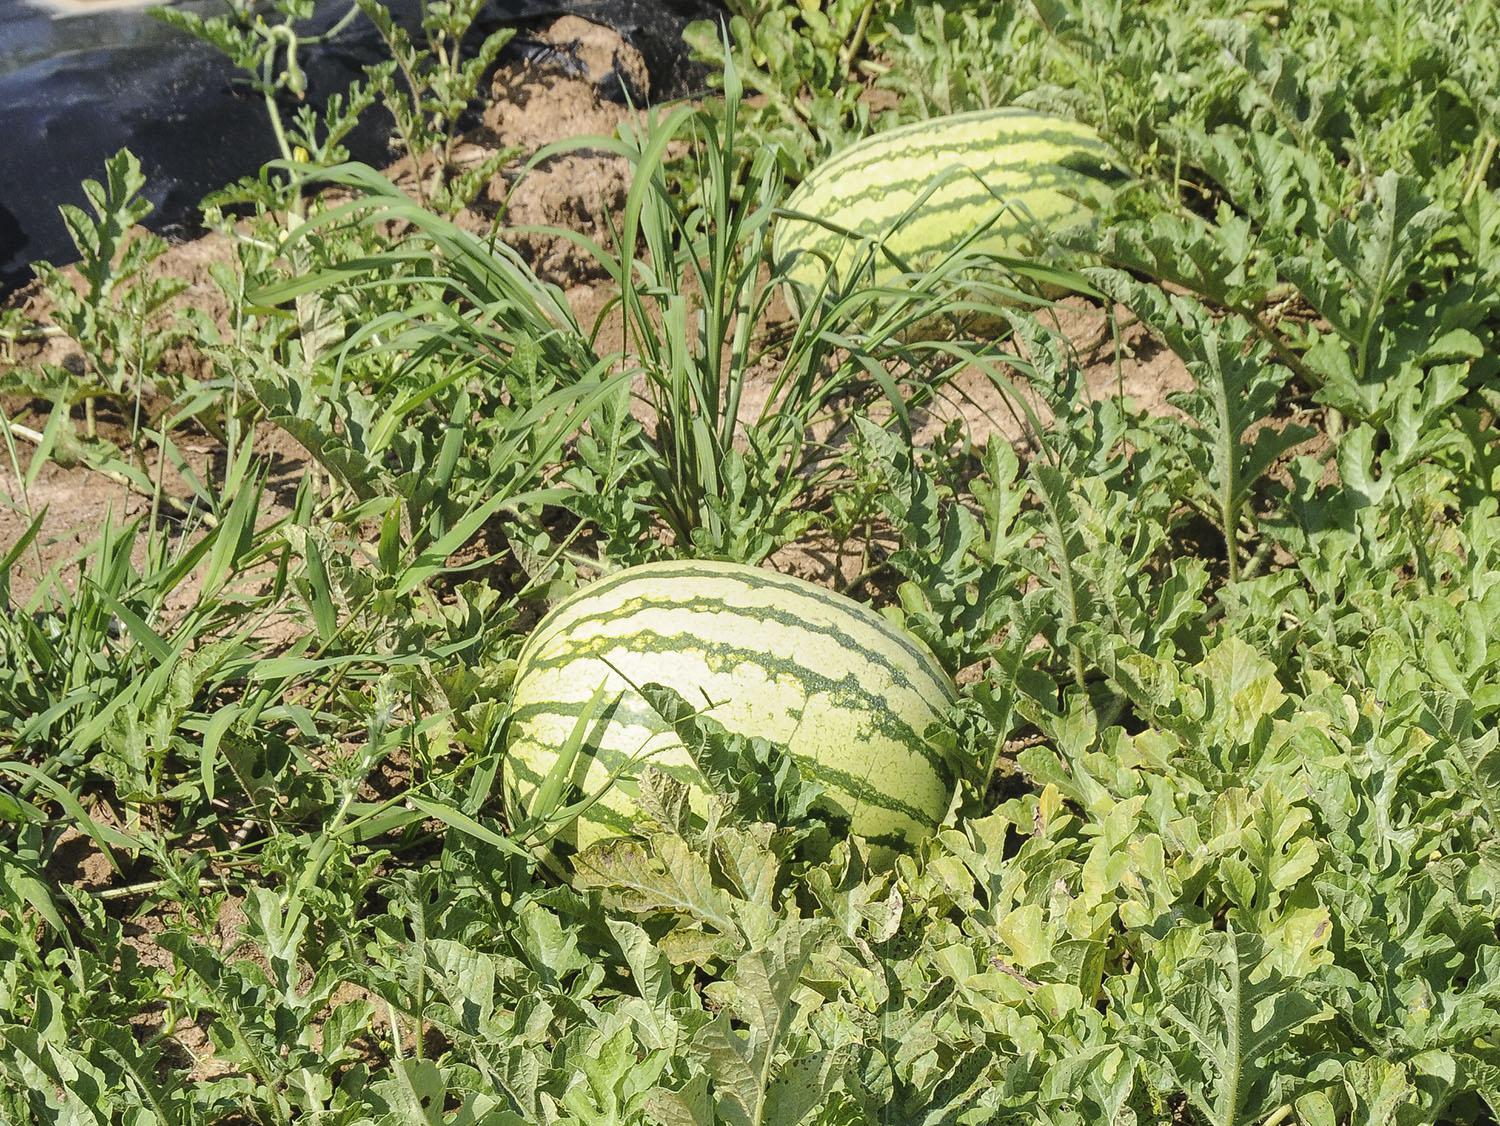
(758, 780)
(728, 478)
(121, 317)
(426, 87)
(1227, 849)
(800, 59)
(1236, 388)
(266, 44)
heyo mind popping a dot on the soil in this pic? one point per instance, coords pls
(569, 94)
(573, 94)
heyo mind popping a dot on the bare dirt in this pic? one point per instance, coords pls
(545, 205)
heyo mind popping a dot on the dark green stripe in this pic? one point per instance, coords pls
(839, 168)
(1001, 199)
(625, 783)
(610, 818)
(893, 841)
(874, 709)
(612, 758)
(778, 616)
(751, 578)
(1004, 127)
(619, 822)
(841, 781)
(632, 710)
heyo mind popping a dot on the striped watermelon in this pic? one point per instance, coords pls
(1032, 170)
(845, 691)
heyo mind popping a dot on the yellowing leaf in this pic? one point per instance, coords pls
(1027, 934)
(1241, 687)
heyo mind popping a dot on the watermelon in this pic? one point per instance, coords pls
(850, 696)
(1024, 170)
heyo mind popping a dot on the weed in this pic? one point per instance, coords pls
(1235, 657)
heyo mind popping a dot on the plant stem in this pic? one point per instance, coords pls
(1481, 169)
(26, 433)
(1279, 346)
(30, 335)
(131, 890)
(343, 21)
(850, 50)
(1232, 543)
